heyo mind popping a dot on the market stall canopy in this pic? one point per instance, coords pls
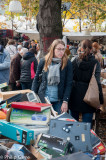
(32, 34)
(74, 36)
(79, 36)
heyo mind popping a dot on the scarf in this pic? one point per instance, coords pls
(54, 72)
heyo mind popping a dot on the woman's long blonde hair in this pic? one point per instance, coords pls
(50, 55)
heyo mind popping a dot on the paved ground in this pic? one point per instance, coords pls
(101, 127)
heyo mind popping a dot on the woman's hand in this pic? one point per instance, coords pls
(17, 83)
(64, 107)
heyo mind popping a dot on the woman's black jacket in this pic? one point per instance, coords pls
(64, 87)
(82, 72)
(26, 70)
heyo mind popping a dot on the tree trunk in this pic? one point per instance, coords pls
(49, 23)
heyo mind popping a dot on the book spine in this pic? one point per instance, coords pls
(26, 107)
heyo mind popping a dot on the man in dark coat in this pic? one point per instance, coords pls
(15, 70)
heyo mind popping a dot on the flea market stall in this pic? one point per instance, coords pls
(4, 35)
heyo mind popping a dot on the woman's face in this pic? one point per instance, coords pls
(59, 51)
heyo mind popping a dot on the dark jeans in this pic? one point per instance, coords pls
(86, 117)
(57, 106)
(26, 85)
(14, 87)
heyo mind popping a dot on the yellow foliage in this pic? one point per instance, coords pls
(79, 9)
(75, 28)
(65, 30)
(3, 25)
(94, 11)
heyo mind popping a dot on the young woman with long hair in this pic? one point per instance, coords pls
(57, 77)
(83, 67)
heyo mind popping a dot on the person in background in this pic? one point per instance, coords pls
(26, 44)
(28, 69)
(76, 46)
(83, 67)
(15, 70)
(102, 49)
(32, 50)
(96, 52)
(56, 78)
(68, 52)
(73, 48)
(38, 52)
(64, 39)
(15, 43)
(20, 42)
(11, 48)
(33, 44)
(19, 47)
(4, 65)
(77, 55)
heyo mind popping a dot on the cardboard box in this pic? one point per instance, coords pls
(38, 129)
(36, 153)
(8, 94)
(16, 132)
(103, 86)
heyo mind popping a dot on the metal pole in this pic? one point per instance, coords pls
(80, 24)
(12, 20)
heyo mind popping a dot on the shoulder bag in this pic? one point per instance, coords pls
(92, 93)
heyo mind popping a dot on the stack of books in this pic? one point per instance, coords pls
(30, 113)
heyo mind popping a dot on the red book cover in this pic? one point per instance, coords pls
(95, 140)
(99, 149)
(30, 106)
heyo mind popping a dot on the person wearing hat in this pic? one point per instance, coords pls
(36, 41)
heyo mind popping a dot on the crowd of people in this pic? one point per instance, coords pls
(55, 76)
(21, 58)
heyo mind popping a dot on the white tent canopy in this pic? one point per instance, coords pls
(79, 36)
(75, 36)
(32, 34)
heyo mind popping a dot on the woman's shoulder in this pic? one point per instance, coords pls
(95, 62)
(69, 62)
(42, 61)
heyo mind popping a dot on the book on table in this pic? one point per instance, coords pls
(28, 117)
(30, 106)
